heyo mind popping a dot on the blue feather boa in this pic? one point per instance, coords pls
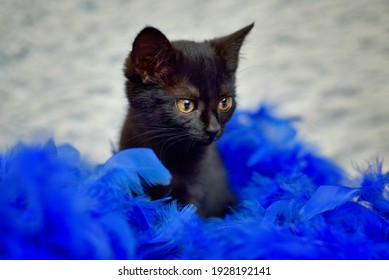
(293, 203)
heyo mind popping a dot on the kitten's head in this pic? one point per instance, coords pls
(182, 90)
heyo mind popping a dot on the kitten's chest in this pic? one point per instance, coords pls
(203, 184)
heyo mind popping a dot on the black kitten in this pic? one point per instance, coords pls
(181, 94)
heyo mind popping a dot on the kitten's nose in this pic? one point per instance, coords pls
(212, 134)
(213, 128)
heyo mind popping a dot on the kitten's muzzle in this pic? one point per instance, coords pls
(207, 138)
(212, 135)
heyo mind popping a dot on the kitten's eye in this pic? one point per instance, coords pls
(225, 104)
(185, 105)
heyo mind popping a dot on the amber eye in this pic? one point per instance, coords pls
(185, 105)
(225, 104)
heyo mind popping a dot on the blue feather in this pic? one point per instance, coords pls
(327, 198)
(134, 169)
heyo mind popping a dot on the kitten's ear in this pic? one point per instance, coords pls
(150, 56)
(228, 47)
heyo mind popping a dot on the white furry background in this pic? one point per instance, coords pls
(326, 61)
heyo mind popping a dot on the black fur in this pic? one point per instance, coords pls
(159, 73)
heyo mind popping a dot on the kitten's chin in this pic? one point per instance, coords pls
(206, 141)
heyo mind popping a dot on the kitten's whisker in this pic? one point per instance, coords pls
(141, 136)
(190, 145)
(166, 145)
(153, 133)
(153, 126)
